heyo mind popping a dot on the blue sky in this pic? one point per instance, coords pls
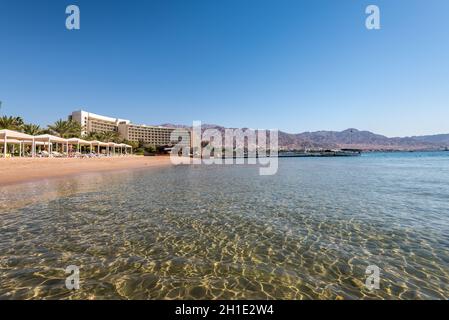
(292, 65)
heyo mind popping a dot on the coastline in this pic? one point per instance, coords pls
(21, 170)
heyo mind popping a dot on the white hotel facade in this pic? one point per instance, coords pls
(153, 135)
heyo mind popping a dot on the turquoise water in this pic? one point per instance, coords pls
(224, 232)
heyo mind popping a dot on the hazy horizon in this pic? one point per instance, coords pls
(214, 124)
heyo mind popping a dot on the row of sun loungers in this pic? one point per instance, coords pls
(55, 154)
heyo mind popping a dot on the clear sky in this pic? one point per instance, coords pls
(292, 65)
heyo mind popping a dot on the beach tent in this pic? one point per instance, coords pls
(121, 146)
(23, 143)
(14, 137)
(30, 143)
(126, 147)
(112, 145)
(115, 146)
(50, 139)
(99, 144)
(79, 143)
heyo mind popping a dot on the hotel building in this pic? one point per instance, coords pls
(153, 135)
(158, 136)
(91, 122)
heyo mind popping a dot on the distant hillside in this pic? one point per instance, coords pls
(350, 138)
(440, 139)
(365, 140)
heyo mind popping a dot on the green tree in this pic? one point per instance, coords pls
(19, 121)
(133, 144)
(59, 128)
(11, 123)
(66, 129)
(91, 136)
(32, 129)
(110, 136)
(151, 149)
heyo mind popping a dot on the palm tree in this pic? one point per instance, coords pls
(32, 129)
(19, 122)
(94, 135)
(133, 144)
(66, 129)
(110, 136)
(11, 123)
(107, 136)
(75, 129)
(59, 128)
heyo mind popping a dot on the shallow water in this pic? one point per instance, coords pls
(224, 232)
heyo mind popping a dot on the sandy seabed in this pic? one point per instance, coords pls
(17, 170)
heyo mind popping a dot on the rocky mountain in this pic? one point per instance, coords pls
(365, 140)
(440, 139)
(350, 138)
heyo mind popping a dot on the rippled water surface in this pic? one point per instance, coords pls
(224, 232)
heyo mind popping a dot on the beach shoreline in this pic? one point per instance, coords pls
(22, 170)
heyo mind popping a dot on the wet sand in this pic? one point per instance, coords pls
(18, 170)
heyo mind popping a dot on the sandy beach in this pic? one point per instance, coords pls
(19, 170)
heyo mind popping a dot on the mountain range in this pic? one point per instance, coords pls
(349, 138)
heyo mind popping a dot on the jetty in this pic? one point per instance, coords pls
(321, 153)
